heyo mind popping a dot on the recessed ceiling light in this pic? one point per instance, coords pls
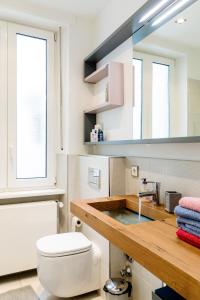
(180, 20)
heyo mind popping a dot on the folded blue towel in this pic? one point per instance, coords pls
(184, 221)
(187, 213)
(191, 229)
(194, 228)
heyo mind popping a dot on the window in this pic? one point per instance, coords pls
(160, 101)
(29, 138)
(153, 87)
(31, 107)
(137, 107)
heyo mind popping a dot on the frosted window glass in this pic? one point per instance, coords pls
(31, 107)
(160, 101)
(137, 108)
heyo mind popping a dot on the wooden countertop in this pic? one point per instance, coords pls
(153, 244)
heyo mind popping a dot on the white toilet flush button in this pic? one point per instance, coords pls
(94, 177)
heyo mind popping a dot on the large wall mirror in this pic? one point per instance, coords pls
(166, 67)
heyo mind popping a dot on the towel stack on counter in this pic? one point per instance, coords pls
(188, 220)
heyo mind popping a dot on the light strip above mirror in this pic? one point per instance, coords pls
(170, 11)
(152, 11)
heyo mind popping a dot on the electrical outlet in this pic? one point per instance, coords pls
(135, 171)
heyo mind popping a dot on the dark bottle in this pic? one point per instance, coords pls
(100, 135)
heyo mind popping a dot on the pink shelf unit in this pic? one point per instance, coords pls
(114, 71)
(97, 75)
(100, 108)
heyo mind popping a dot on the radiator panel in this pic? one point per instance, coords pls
(20, 227)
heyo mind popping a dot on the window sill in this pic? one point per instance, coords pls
(32, 193)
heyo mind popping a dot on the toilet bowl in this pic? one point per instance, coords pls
(68, 264)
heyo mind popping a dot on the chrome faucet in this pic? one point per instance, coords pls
(155, 193)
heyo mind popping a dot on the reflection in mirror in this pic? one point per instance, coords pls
(166, 68)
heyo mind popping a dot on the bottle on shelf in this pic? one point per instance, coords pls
(96, 134)
(100, 136)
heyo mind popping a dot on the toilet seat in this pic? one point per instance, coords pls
(63, 244)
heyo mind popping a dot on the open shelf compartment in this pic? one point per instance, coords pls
(98, 75)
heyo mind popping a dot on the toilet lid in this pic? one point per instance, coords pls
(63, 244)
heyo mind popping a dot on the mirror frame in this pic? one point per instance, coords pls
(138, 31)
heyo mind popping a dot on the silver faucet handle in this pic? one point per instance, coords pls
(156, 182)
(144, 180)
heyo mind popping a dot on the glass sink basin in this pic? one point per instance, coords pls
(126, 216)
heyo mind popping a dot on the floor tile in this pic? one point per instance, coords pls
(8, 283)
(30, 278)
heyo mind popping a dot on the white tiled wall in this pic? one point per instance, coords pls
(182, 176)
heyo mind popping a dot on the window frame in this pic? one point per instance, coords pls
(168, 104)
(13, 181)
(148, 59)
(3, 105)
(134, 136)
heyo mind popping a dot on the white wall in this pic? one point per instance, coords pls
(194, 107)
(112, 16)
(76, 46)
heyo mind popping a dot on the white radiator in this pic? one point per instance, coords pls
(20, 227)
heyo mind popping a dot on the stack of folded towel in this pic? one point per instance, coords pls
(188, 220)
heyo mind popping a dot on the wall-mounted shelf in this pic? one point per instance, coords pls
(114, 71)
(97, 75)
(89, 122)
(101, 107)
(174, 140)
(114, 95)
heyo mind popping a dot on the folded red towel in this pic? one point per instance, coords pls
(188, 237)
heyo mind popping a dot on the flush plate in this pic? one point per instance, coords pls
(94, 177)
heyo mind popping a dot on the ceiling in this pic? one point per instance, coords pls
(186, 33)
(83, 8)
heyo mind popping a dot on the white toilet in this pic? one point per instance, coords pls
(68, 264)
